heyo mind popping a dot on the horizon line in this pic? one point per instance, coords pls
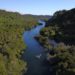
(22, 13)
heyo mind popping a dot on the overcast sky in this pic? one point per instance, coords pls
(39, 7)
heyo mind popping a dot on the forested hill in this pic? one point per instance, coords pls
(37, 17)
(12, 26)
(58, 37)
(65, 21)
(27, 17)
(15, 18)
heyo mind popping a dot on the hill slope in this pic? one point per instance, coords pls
(61, 52)
(65, 21)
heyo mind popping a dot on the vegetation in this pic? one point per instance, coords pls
(37, 17)
(61, 29)
(65, 23)
(12, 26)
(62, 59)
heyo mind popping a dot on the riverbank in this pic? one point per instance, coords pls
(34, 54)
(12, 26)
(61, 56)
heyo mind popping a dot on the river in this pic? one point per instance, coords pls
(34, 54)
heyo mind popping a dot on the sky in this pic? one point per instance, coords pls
(36, 7)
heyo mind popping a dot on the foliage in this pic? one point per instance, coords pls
(12, 26)
(63, 59)
(65, 21)
(60, 28)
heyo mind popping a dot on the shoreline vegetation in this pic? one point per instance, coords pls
(61, 29)
(12, 26)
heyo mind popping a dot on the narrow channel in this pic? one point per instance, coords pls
(34, 54)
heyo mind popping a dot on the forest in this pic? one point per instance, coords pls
(60, 28)
(60, 54)
(12, 27)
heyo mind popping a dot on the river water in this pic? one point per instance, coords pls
(34, 54)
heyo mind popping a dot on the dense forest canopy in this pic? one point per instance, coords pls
(37, 17)
(64, 19)
(61, 29)
(12, 26)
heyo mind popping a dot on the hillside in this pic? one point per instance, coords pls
(37, 17)
(65, 21)
(61, 52)
(12, 26)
